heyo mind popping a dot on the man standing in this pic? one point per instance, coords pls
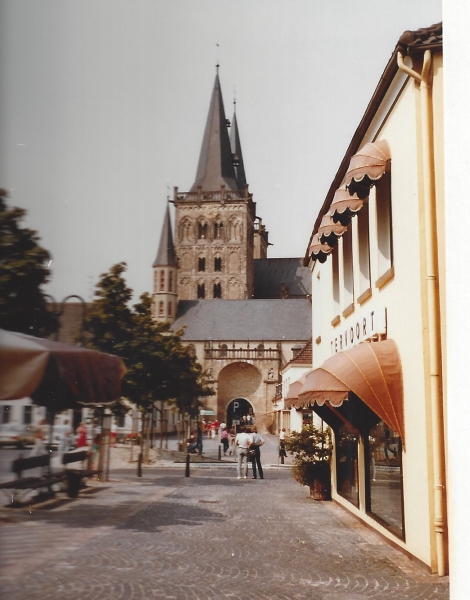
(256, 443)
(242, 441)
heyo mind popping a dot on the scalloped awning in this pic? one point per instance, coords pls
(368, 165)
(372, 370)
(293, 392)
(317, 250)
(329, 232)
(344, 206)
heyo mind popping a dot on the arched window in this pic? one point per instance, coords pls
(202, 230)
(169, 309)
(161, 309)
(170, 282)
(217, 290)
(201, 292)
(162, 280)
(201, 264)
(218, 230)
(217, 263)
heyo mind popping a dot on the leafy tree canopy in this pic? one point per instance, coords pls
(159, 366)
(23, 270)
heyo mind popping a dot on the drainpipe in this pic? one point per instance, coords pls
(433, 304)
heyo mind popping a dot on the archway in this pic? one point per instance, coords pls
(239, 412)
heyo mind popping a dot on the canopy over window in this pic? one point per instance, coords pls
(329, 232)
(344, 206)
(371, 370)
(317, 250)
(293, 392)
(56, 375)
(368, 165)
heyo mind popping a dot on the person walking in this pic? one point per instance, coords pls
(242, 441)
(231, 434)
(225, 441)
(256, 443)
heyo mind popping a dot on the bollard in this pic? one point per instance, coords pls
(187, 465)
(139, 465)
(220, 455)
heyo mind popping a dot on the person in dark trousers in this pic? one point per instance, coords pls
(256, 443)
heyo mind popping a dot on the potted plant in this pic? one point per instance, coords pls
(311, 449)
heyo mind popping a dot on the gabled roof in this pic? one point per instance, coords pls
(215, 166)
(243, 320)
(237, 154)
(275, 277)
(166, 256)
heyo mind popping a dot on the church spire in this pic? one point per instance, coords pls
(237, 155)
(166, 255)
(215, 166)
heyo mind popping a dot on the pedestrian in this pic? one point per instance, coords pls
(39, 438)
(231, 435)
(242, 441)
(199, 436)
(225, 441)
(82, 435)
(255, 454)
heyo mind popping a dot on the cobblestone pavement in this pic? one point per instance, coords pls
(209, 536)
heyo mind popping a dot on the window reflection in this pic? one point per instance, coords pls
(385, 493)
(346, 463)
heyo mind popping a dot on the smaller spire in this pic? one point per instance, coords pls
(166, 255)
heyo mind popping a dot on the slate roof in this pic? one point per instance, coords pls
(243, 320)
(215, 167)
(237, 153)
(271, 274)
(166, 255)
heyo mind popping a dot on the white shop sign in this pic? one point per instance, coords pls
(361, 329)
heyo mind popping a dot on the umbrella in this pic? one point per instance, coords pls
(56, 375)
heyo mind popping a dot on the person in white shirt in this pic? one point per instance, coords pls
(256, 443)
(242, 441)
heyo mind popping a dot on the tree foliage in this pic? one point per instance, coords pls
(159, 366)
(23, 270)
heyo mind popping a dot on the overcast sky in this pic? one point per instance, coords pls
(103, 104)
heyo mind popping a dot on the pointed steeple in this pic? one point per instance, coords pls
(215, 166)
(166, 255)
(237, 155)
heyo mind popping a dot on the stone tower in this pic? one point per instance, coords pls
(215, 222)
(165, 268)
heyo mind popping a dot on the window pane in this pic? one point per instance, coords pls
(27, 414)
(385, 475)
(347, 474)
(384, 223)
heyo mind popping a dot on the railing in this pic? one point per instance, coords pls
(218, 195)
(242, 354)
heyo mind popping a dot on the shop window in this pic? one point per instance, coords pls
(162, 280)
(348, 272)
(217, 263)
(27, 414)
(201, 291)
(384, 486)
(364, 251)
(384, 228)
(347, 472)
(6, 413)
(201, 266)
(217, 290)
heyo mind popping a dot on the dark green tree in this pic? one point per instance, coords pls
(23, 270)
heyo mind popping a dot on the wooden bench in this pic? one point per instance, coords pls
(43, 482)
(75, 476)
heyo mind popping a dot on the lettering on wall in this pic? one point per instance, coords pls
(367, 326)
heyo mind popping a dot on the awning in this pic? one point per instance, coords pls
(368, 165)
(344, 206)
(330, 232)
(372, 370)
(293, 392)
(317, 250)
(56, 375)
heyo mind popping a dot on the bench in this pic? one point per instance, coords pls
(43, 482)
(74, 476)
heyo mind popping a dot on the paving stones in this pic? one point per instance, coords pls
(208, 536)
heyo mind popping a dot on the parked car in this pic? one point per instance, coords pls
(20, 436)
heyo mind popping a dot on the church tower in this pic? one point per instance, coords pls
(215, 221)
(165, 275)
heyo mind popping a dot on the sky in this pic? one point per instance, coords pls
(103, 105)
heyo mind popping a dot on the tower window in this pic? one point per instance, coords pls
(218, 230)
(169, 310)
(162, 280)
(217, 290)
(217, 264)
(170, 283)
(160, 309)
(202, 231)
(201, 291)
(201, 264)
